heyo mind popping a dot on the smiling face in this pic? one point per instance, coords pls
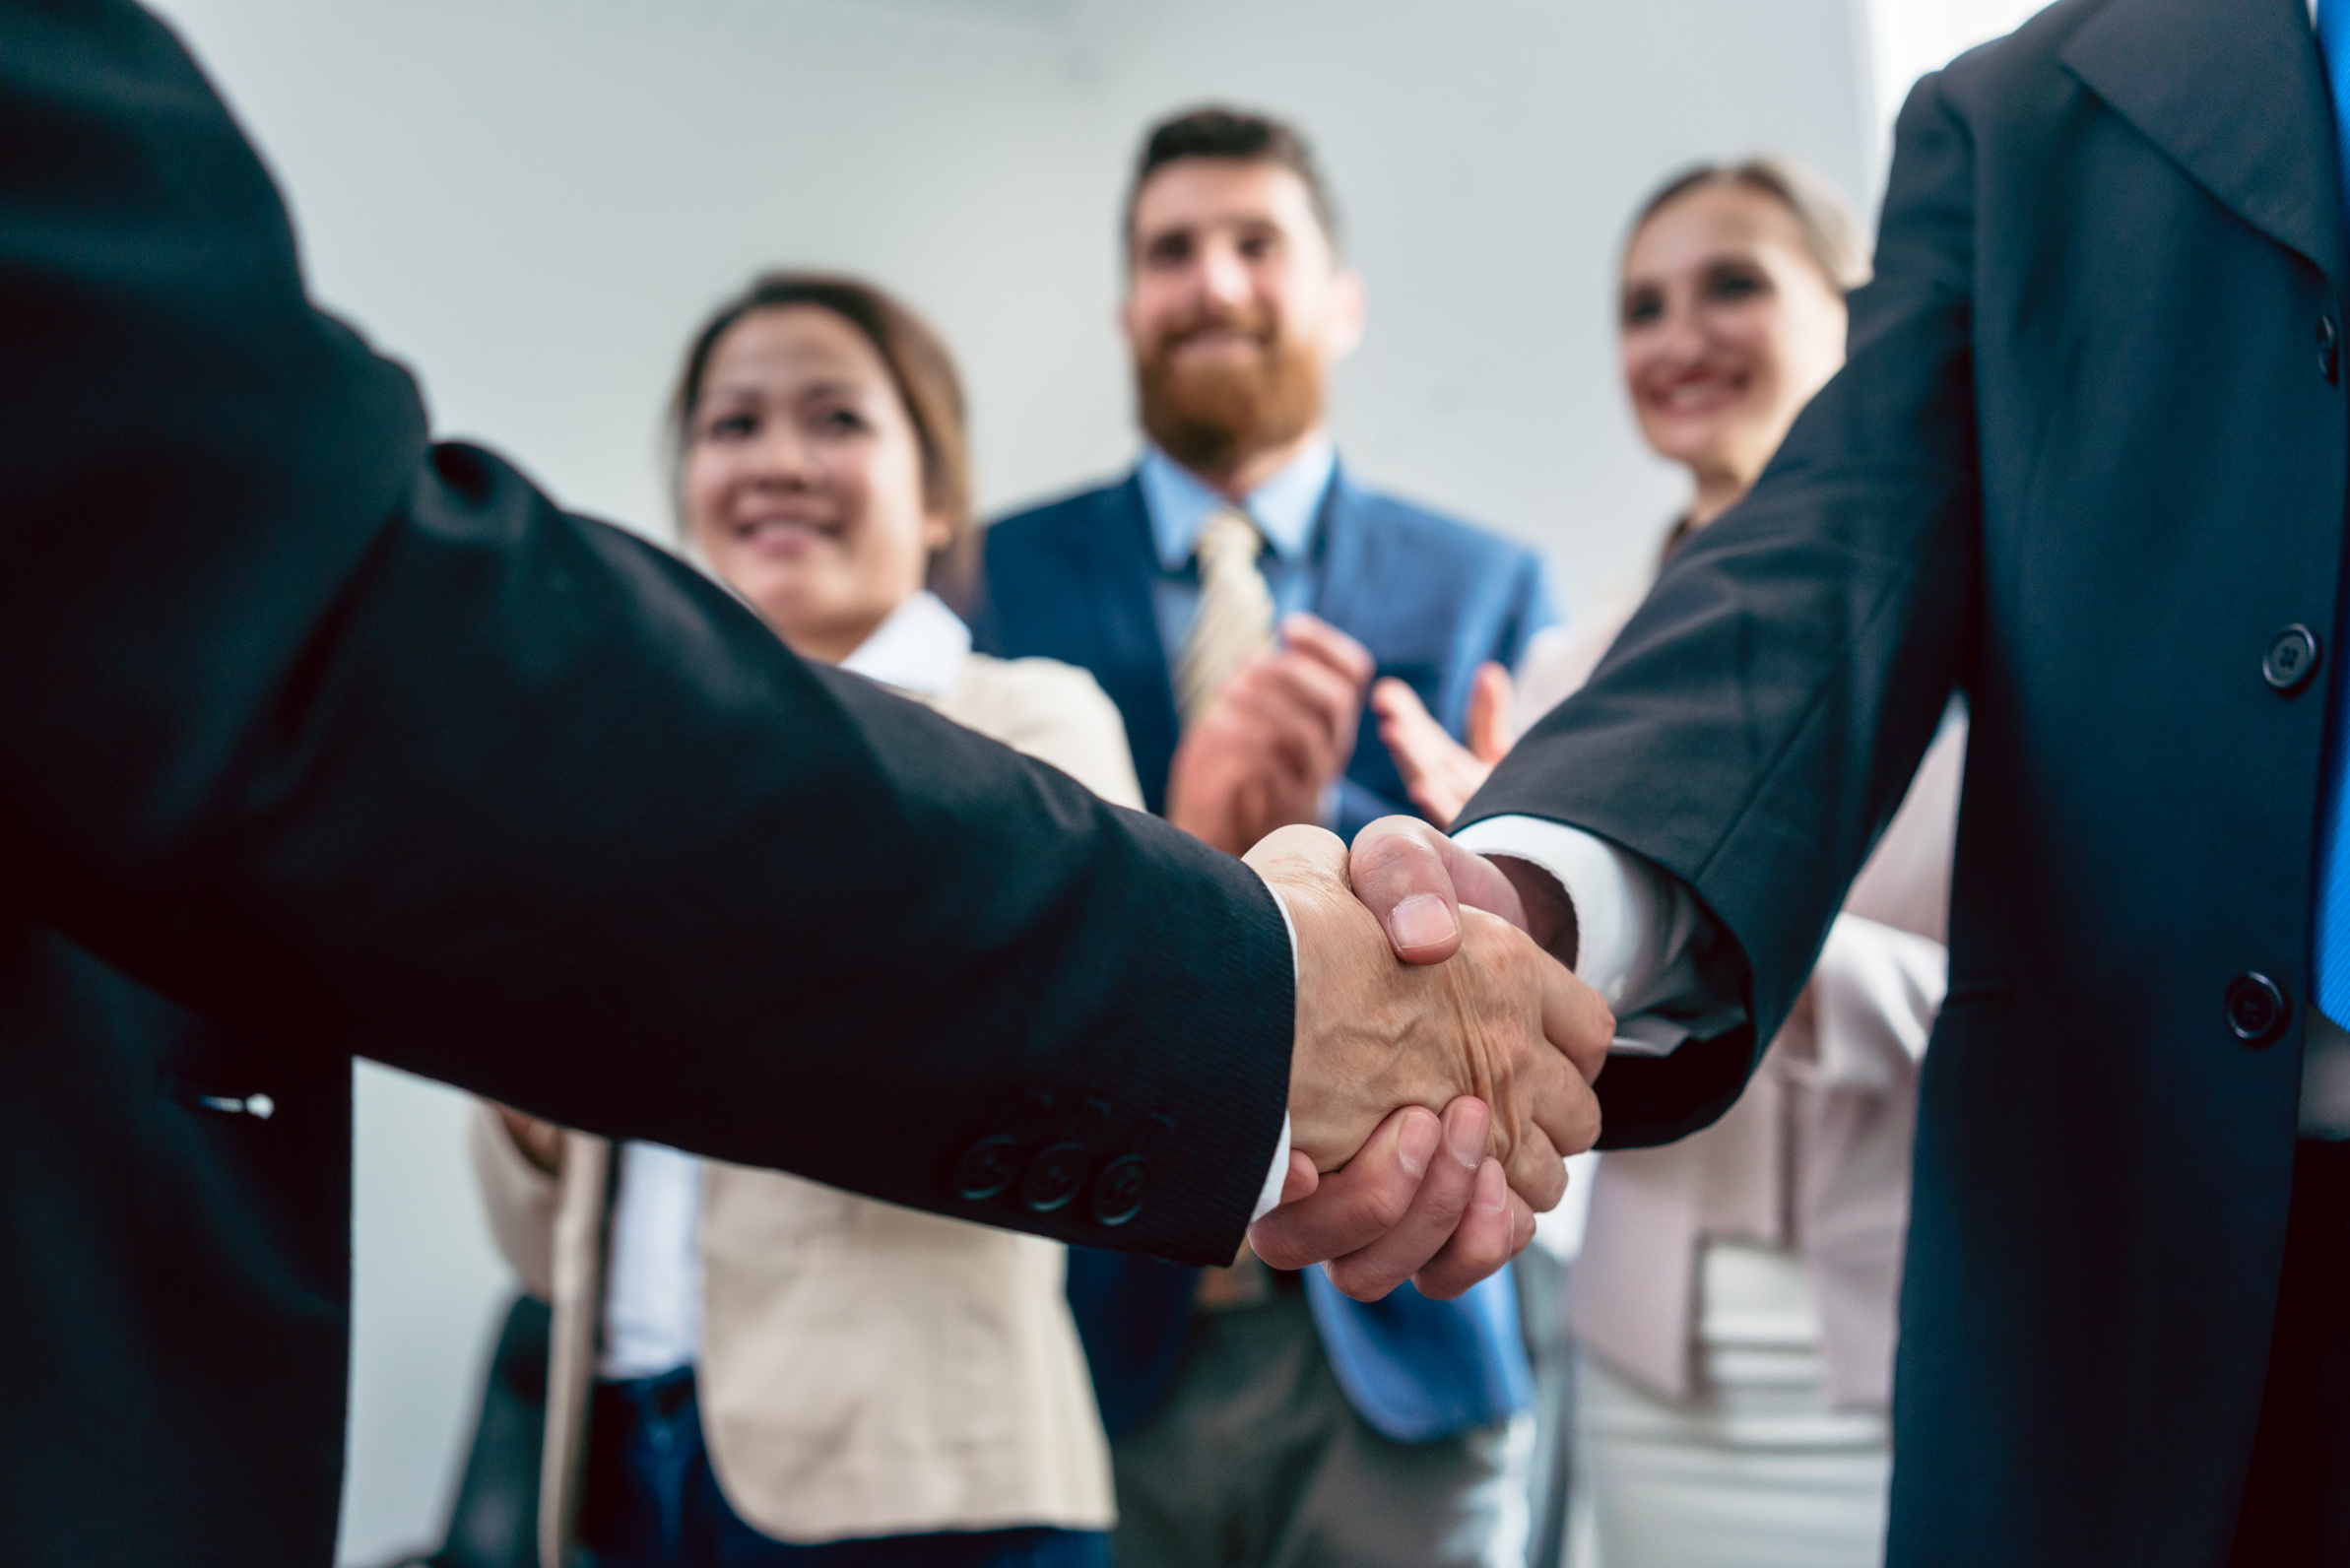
(1729, 327)
(803, 478)
(1235, 308)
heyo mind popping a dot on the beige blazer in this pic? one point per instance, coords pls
(866, 1369)
(1815, 1154)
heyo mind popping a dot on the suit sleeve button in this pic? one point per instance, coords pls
(2256, 1010)
(1054, 1177)
(987, 1167)
(1118, 1190)
(2292, 658)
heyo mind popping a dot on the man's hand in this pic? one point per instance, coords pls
(1421, 1200)
(1498, 1019)
(1277, 736)
(1416, 880)
(1397, 1209)
(1439, 773)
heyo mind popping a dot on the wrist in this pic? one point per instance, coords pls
(1549, 912)
(1302, 869)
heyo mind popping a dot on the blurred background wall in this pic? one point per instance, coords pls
(532, 202)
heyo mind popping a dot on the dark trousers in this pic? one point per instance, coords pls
(651, 1501)
(2297, 1505)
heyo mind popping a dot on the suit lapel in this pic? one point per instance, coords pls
(2235, 94)
(1344, 549)
(1359, 592)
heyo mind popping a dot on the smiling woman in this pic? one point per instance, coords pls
(821, 466)
(746, 1367)
(1734, 1297)
(1732, 317)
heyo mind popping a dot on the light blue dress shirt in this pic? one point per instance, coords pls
(1284, 509)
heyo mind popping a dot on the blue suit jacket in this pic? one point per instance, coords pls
(1432, 599)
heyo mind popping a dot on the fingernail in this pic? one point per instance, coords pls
(1417, 1142)
(1466, 1137)
(1422, 921)
(1493, 1190)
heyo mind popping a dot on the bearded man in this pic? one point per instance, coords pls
(1236, 595)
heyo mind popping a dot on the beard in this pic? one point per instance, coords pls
(1210, 418)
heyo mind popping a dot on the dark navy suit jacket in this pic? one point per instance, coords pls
(2085, 464)
(1432, 599)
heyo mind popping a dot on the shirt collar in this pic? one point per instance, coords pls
(1285, 506)
(919, 648)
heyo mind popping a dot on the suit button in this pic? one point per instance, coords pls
(2292, 658)
(2329, 350)
(1054, 1177)
(1118, 1190)
(2257, 1009)
(987, 1167)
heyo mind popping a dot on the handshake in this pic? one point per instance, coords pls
(1443, 1064)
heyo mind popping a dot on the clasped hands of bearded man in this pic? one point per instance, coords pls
(1443, 1057)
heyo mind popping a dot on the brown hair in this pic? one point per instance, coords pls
(1831, 235)
(1217, 131)
(920, 367)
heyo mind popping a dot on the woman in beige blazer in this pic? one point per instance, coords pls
(750, 1369)
(1736, 1293)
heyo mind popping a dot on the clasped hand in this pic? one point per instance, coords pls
(1443, 1065)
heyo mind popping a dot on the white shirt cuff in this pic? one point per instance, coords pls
(1615, 895)
(1269, 1197)
(1633, 923)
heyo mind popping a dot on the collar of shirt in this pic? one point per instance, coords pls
(919, 648)
(1285, 506)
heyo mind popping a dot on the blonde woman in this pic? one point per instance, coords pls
(749, 1370)
(1736, 1292)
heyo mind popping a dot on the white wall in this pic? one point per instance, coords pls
(532, 201)
(1906, 38)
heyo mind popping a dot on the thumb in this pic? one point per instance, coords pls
(1414, 881)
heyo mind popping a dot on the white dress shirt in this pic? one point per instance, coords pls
(1285, 508)
(652, 1292)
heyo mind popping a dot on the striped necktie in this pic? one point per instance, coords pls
(2332, 935)
(1235, 614)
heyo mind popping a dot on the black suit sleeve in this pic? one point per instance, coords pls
(1756, 725)
(364, 744)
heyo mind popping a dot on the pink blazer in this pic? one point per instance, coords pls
(1815, 1154)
